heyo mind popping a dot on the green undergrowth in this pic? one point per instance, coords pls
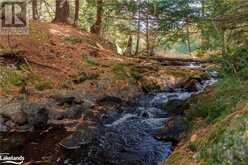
(10, 77)
(22, 77)
(231, 89)
(121, 70)
(227, 144)
(229, 92)
(222, 112)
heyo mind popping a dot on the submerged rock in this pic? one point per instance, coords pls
(84, 134)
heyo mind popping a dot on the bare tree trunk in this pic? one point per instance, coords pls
(204, 37)
(128, 50)
(96, 28)
(35, 10)
(62, 13)
(77, 7)
(147, 30)
(152, 44)
(138, 31)
(188, 36)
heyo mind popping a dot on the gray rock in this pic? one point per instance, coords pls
(109, 100)
(72, 97)
(56, 115)
(14, 112)
(61, 100)
(3, 127)
(175, 107)
(74, 112)
(4, 101)
(37, 114)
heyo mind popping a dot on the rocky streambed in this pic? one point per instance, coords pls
(69, 129)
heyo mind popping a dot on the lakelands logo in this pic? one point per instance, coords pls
(7, 158)
(14, 19)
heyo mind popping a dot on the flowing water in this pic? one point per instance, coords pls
(126, 137)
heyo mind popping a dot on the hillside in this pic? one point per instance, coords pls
(124, 82)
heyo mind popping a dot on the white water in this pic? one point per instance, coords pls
(121, 120)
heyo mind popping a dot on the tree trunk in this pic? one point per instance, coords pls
(188, 36)
(35, 10)
(96, 28)
(77, 7)
(128, 50)
(152, 45)
(138, 31)
(204, 37)
(147, 30)
(62, 12)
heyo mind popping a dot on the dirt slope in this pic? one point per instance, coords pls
(59, 57)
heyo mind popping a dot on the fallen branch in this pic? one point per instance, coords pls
(18, 56)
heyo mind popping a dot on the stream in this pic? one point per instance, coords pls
(123, 137)
(126, 137)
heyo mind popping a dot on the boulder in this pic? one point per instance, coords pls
(64, 99)
(4, 101)
(56, 115)
(175, 107)
(14, 112)
(74, 112)
(3, 127)
(112, 100)
(174, 130)
(37, 114)
(190, 85)
(73, 97)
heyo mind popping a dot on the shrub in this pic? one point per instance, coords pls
(120, 70)
(10, 77)
(136, 73)
(43, 85)
(236, 60)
